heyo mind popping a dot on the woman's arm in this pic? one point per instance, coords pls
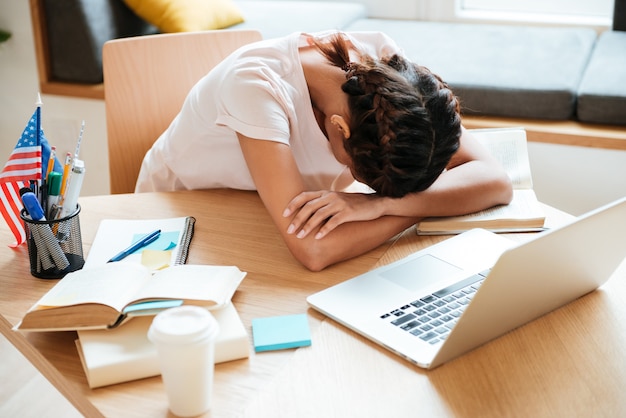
(278, 180)
(473, 181)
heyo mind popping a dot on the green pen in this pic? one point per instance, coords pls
(54, 190)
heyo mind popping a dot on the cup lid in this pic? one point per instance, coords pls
(183, 324)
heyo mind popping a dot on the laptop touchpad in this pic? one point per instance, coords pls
(420, 272)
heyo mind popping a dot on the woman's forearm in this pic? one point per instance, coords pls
(346, 241)
(467, 188)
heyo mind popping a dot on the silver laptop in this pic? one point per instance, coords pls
(454, 296)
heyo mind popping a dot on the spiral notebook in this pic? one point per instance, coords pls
(171, 248)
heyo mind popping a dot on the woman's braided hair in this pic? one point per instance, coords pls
(405, 122)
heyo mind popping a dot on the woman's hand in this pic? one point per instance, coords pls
(329, 210)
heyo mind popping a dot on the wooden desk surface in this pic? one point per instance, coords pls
(232, 228)
(569, 362)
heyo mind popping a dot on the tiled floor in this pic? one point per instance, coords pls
(24, 392)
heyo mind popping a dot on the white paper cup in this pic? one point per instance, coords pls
(185, 341)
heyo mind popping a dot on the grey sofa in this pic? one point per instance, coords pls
(497, 70)
(509, 71)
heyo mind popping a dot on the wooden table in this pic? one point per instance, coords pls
(232, 228)
(569, 362)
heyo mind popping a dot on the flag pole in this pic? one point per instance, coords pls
(40, 181)
(39, 103)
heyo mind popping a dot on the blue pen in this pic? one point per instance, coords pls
(32, 206)
(151, 237)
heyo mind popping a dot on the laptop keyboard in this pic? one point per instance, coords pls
(431, 317)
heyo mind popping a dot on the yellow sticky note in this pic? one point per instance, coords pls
(156, 259)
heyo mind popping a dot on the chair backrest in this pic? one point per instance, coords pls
(146, 80)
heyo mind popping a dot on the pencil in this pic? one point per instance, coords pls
(66, 173)
(53, 153)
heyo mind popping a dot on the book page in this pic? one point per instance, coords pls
(214, 285)
(523, 206)
(510, 148)
(113, 284)
(114, 235)
(523, 213)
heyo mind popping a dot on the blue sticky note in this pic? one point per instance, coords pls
(151, 307)
(280, 332)
(166, 241)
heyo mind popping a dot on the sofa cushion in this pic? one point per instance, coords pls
(509, 71)
(76, 31)
(602, 92)
(275, 18)
(187, 15)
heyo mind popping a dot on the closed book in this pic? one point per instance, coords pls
(125, 353)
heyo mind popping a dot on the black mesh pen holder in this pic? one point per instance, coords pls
(55, 247)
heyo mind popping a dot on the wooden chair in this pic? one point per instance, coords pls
(146, 80)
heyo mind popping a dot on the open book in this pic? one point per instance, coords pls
(105, 296)
(524, 213)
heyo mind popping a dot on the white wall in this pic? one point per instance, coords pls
(395, 9)
(570, 178)
(577, 179)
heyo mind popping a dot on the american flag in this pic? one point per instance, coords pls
(26, 163)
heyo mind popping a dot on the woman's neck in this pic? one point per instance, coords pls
(323, 81)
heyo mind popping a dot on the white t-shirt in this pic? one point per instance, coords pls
(259, 91)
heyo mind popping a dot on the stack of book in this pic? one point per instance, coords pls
(111, 305)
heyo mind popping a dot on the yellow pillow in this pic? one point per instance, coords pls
(187, 15)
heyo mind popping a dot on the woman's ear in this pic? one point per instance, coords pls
(340, 123)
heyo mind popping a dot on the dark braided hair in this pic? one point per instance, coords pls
(405, 122)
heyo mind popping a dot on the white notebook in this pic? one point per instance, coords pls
(125, 353)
